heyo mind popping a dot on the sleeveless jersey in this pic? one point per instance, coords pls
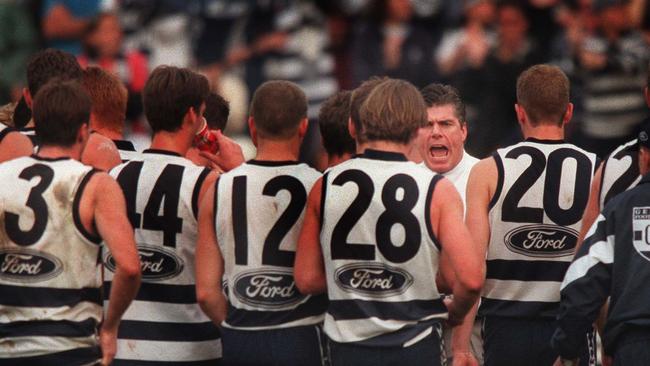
(259, 211)
(164, 323)
(535, 215)
(50, 300)
(620, 172)
(126, 149)
(380, 252)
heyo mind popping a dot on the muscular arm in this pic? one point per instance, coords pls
(593, 206)
(467, 265)
(209, 263)
(15, 145)
(101, 153)
(309, 269)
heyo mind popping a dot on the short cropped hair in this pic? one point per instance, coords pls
(543, 92)
(168, 95)
(358, 97)
(49, 64)
(277, 108)
(440, 94)
(333, 123)
(109, 96)
(216, 112)
(393, 112)
(59, 109)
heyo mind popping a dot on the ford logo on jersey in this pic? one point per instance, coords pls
(542, 240)
(267, 288)
(373, 279)
(157, 263)
(25, 265)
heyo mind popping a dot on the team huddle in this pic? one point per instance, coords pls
(405, 250)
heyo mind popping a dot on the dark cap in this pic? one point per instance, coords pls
(644, 133)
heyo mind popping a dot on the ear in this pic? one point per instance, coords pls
(352, 130)
(522, 118)
(568, 114)
(302, 128)
(190, 116)
(252, 130)
(463, 130)
(83, 133)
(28, 98)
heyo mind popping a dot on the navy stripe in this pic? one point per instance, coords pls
(521, 270)
(500, 178)
(524, 309)
(427, 210)
(316, 305)
(197, 191)
(124, 145)
(321, 218)
(50, 328)
(272, 163)
(383, 155)
(5, 132)
(78, 356)
(117, 362)
(171, 332)
(46, 296)
(395, 310)
(175, 294)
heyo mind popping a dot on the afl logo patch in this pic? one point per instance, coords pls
(25, 265)
(542, 240)
(641, 231)
(373, 279)
(156, 262)
(269, 289)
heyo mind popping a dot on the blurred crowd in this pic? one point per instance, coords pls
(479, 46)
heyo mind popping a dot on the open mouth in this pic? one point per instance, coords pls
(439, 151)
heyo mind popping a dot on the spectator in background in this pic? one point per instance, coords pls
(612, 67)
(17, 42)
(103, 47)
(513, 52)
(65, 22)
(391, 43)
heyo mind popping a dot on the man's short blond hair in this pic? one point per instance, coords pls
(543, 92)
(393, 111)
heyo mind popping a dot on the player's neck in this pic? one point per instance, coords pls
(543, 132)
(278, 150)
(389, 146)
(171, 141)
(333, 160)
(101, 128)
(55, 152)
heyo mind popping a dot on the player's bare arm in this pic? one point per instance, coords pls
(15, 145)
(309, 270)
(456, 241)
(209, 262)
(101, 153)
(103, 206)
(593, 206)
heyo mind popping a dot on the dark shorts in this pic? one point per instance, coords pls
(299, 346)
(526, 342)
(426, 352)
(633, 349)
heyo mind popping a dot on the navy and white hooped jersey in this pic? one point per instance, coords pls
(259, 210)
(164, 323)
(50, 299)
(535, 214)
(126, 149)
(380, 252)
(620, 172)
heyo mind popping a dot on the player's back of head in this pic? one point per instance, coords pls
(59, 109)
(333, 123)
(436, 95)
(543, 92)
(359, 95)
(277, 109)
(393, 112)
(169, 94)
(49, 64)
(217, 110)
(109, 97)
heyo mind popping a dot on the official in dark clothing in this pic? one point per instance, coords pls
(614, 261)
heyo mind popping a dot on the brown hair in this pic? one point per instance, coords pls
(60, 108)
(359, 95)
(440, 95)
(333, 123)
(277, 108)
(393, 111)
(109, 97)
(543, 92)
